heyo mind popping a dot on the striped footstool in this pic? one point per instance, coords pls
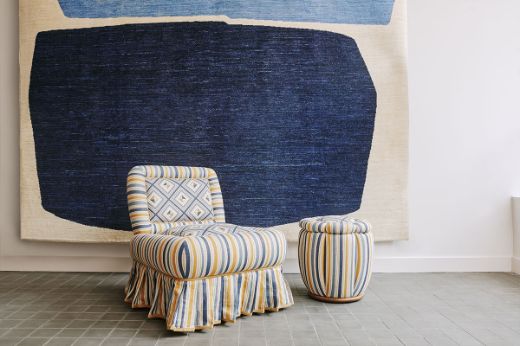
(335, 257)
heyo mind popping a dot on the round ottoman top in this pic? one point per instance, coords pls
(335, 224)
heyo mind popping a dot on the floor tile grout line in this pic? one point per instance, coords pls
(93, 294)
(21, 321)
(398, 315)
(65, 327)
(290, 334)
(50, 338)
(462, 328)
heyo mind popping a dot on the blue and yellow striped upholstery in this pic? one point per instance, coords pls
(335, 256)
(196, 251)
(190, 305)
(335, 224)
(143, 181)
(190, 267)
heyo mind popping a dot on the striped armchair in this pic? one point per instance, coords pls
(189, 266)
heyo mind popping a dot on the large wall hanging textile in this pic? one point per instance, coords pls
(301, 110)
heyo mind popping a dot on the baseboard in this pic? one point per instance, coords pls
(381, 264)
(442, 264)
(65, 264)
(429, 264)
(515, 265)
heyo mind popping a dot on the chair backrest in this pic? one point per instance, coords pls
(163, 197)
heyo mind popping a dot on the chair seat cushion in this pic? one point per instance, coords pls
(335, 224)
(196, 251)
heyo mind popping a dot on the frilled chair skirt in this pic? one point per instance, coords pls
(199, 276)
(188, 305)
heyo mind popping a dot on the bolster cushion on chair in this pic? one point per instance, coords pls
(196, 251)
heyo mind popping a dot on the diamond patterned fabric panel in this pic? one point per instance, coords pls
(172, 200)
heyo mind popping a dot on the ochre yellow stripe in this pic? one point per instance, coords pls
(328, 276)
(359, 256)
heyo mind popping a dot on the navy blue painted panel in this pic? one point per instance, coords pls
(324, 11)
(285, 116)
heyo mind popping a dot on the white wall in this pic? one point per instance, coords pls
(464, 68)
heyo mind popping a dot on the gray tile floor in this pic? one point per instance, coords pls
(410, 309)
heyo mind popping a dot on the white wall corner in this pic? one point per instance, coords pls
(515, 265)
(515, 262)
